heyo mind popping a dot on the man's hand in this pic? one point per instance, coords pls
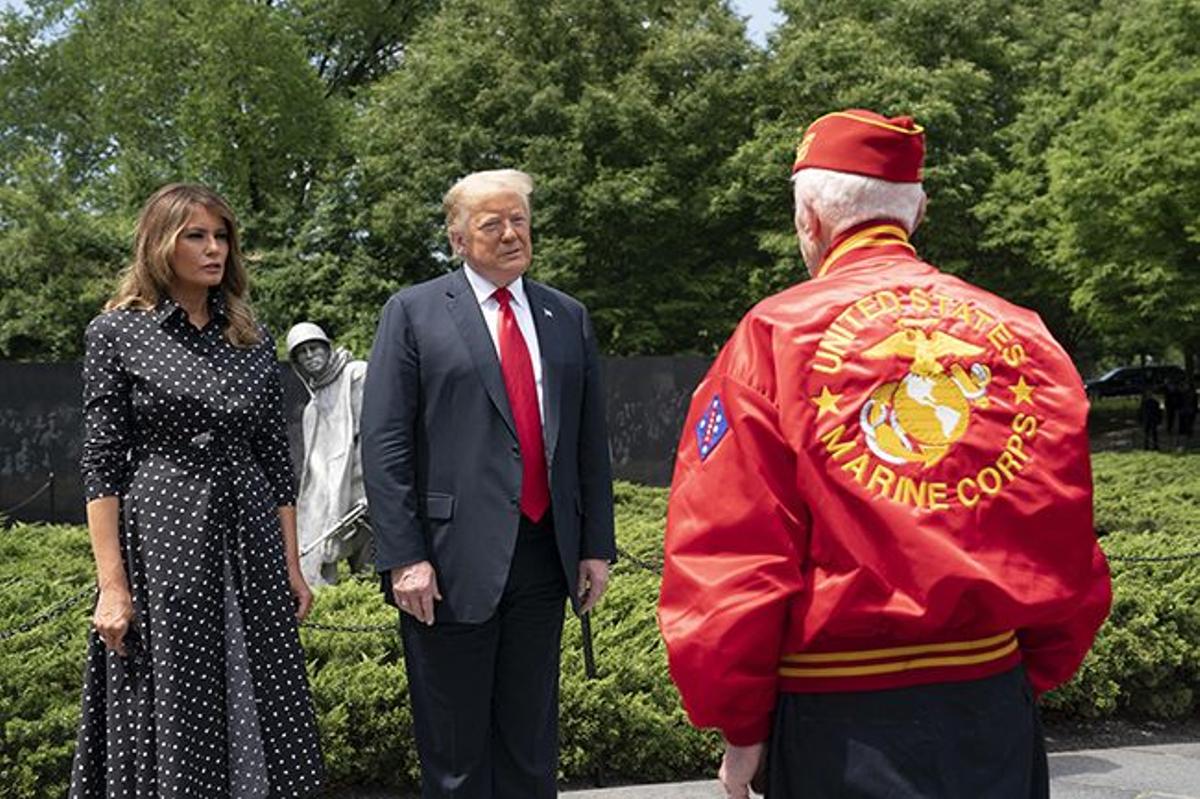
(415, 589)
(593, 579)
(738, 767)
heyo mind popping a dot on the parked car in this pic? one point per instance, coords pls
(1127, 381)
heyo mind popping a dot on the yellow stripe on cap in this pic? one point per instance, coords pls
(915, 130)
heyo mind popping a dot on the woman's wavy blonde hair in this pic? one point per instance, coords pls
(147, 280)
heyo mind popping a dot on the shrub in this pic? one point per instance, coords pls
(41, 671)
(626, 725)
(1146, 660)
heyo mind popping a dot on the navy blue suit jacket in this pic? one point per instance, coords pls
(439, 446)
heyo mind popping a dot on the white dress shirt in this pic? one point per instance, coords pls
(484, 289)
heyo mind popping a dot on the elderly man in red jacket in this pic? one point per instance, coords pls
(879, 544)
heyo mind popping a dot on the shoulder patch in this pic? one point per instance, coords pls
(711, 428)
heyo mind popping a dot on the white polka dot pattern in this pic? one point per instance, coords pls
(212, 698)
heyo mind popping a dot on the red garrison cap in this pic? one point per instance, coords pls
(864, 143)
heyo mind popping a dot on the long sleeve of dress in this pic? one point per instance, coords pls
(106, 412)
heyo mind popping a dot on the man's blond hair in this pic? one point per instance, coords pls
(468, 190)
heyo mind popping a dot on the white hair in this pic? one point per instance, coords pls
(843, 200)
(468, 190)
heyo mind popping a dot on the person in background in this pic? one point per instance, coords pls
(331, 516)
(1150, 415)
(879, 544)
(1172, 396)
(1187, 413)
(195, 684)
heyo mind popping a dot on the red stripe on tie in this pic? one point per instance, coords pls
(522, 398)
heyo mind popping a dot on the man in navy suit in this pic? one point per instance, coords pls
(485, 453)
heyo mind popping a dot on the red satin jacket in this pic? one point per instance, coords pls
(883, 481)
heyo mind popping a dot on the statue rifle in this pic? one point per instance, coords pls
(341, 527)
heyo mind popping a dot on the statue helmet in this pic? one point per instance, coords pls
(305, 332)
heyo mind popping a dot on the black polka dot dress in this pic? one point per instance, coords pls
(211, 699)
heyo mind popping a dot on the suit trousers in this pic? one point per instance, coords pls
(485, 696)
(980, 739)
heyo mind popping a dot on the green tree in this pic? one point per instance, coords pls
(117, 97)
(623, 113)
(133, 93)
(957, 67)
(1104, 187)
(356, 42)
(54, 263)
(1060, 169)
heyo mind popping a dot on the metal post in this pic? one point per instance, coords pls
(589, 658)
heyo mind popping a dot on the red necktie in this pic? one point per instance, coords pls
(522, 397)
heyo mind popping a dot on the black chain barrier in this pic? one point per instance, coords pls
(657, 568)
(1155, 558)
(350, 628)
(623, 556)
(49, 614)
(63, 607)
(37, 493)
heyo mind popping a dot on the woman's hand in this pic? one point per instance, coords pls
(113, 617)
(300, 592)
(291, 556)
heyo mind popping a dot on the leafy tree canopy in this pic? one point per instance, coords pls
(1100, 189)
(1062, 170)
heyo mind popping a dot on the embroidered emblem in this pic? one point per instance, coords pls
(711, 428)
(931, 370)
(918, 418)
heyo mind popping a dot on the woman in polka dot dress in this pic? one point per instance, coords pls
(195, 683)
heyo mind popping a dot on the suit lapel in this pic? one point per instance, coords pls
(548, 318)
(464, 310)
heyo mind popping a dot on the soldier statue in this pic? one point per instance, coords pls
(331, 506)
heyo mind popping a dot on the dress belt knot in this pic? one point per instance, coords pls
(205, 446)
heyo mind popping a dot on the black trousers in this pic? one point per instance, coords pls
(485, 696)
(971, 740)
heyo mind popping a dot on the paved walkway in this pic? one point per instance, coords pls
(1165, 771)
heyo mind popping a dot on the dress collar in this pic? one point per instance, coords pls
(167, 308)
(876, 237)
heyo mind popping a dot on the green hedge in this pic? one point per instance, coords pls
(626, 725)
(1146, 661)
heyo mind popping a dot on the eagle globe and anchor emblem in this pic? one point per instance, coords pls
(917, 418)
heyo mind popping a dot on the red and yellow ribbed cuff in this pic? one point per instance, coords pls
(896, 660)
